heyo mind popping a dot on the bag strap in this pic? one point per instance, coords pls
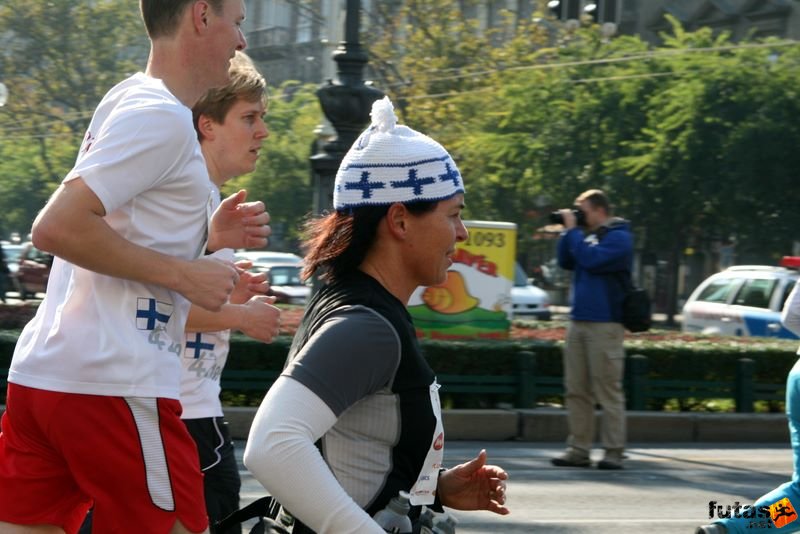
(625, 277)
(625, 280)
(263, 507)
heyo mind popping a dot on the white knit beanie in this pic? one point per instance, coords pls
(390, 163)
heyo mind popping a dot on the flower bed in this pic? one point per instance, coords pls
(556, 330)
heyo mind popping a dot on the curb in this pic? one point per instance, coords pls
(550, 425)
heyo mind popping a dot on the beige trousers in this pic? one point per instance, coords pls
(594, 363)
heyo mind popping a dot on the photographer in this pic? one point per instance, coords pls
(596, 247)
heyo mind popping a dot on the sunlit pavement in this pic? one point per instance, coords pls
(561, 313)
(663, 488)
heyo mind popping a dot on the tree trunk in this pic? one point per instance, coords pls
(673, 262)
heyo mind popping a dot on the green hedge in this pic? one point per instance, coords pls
(698, 359)
(695, 358)
(701, 359)
(690, 360)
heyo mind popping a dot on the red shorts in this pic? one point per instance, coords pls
(131, 456)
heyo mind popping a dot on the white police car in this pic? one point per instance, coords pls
(744, 300)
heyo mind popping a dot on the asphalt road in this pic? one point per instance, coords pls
(664, 488)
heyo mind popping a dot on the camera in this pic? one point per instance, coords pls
(580, 217)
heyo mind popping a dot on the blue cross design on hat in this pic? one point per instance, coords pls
(450, 174)
(364, 185)
(198, 346)
(414, 182)
(392, 163)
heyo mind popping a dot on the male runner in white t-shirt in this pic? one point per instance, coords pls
(92, 409)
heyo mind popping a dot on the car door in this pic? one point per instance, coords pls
(753, 302)
(780, 295)
(708, 309)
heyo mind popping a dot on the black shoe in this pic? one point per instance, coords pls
(609, 464)
(571, 459)
(611, 460)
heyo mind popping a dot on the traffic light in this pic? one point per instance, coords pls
(591, 10)
(565, 9)
(598, 10)
(554, 7)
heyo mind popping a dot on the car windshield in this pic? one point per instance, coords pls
(520, 278)
(718, 290)
(12, 253)
(266, 257)
(285, 276)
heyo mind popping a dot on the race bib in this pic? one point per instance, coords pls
(424, 490)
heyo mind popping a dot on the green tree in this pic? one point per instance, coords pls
(692, 139)
(698, 165)
(282, 179)
(423, 48)
(58, 59)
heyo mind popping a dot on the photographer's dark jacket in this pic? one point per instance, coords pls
(596, 259)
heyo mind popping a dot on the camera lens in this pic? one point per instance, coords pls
(556, 218)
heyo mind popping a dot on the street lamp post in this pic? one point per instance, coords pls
(346, 103)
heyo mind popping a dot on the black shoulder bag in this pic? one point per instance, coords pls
(636, 314)
(266, 509)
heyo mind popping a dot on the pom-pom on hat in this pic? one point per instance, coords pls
(390, 163)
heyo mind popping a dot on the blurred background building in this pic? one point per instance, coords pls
(294, 39)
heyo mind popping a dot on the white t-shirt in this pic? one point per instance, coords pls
(204, 356)
(101, 335)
